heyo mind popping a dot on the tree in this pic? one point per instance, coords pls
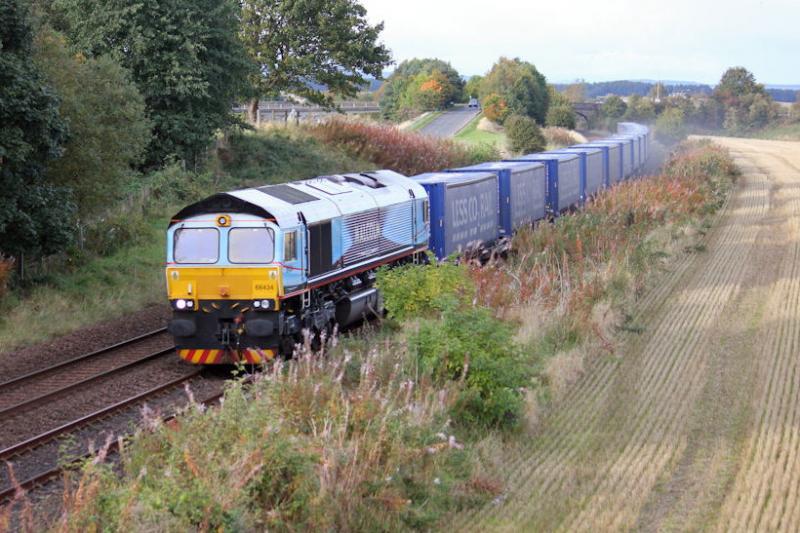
(576, 92)
(106, 116)
(795, 113)
(495, 108)
(185, 58)
(561, 116)
(473, 87)
(640, 109)
(614, 107)
(312, 48)
(658, 92)
(35, 216)
(670, 125)
(735, 83)
(524, 135)
(400, 97)
(428, 92)
(522, 87)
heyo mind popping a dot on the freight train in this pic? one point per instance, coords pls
(249, 271)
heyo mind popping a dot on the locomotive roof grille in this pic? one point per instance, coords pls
(288, 194)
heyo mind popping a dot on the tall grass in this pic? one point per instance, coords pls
(406, 152)
(339, 441)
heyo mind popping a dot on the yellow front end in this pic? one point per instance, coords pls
(227, 283)
(215, 299)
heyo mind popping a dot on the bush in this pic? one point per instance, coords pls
(472, 346)
(524, 135)
(495, 108)
(413, 291)
(670, 125)
(561, 116)
(559, 137)
(388, 147)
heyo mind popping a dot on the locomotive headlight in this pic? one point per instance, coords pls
(180, 305)
(263, 305)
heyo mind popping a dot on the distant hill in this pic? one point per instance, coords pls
(781, 93)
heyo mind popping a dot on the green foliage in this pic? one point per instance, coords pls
(746, 103)
(671, 125)
(35, 215)
(327, 43)
(473, 87)
(185, 58)
(522, 87)
(495, 108)
(561, 116)
(614, 107)
(469, 344)
(640, 109)
(524, 135)
(413, 291)
(420, 85)
(106, 117)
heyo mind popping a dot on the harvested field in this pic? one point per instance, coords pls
(695, 422)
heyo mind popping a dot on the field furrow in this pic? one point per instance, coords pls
(695, 423)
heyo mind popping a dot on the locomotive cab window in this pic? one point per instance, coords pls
(196, 245)
(290, 246)
(251, 245)
(426, 213)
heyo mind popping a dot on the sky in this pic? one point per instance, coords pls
(684, 40)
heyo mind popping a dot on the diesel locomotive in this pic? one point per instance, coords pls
(249, 271)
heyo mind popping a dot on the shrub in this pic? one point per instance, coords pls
(413, 291)
(561, 116)
(388, 147)
(472, 346)
(670, 125)
(524, 135)
(495, 108)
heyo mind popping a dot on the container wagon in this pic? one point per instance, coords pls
(594, 166)
(613, 151)
(464, 210)
(565, 181)
(523, 192)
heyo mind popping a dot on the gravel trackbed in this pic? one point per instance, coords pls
(695, 425)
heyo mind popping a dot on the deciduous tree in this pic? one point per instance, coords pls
(312, 48)
(185, 57)
(35, 216)
(522, 87)
(109, 130)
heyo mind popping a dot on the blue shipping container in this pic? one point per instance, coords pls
(595, 166)
(565, 181)
(463, 209)
(523, 191)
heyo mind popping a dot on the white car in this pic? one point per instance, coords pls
(473, 102)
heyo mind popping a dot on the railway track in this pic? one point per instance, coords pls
(50, 435)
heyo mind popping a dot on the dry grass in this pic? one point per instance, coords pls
(561, 137)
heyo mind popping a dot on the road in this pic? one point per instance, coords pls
(695, 424)
(450, 122)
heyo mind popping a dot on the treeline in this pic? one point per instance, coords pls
(97, 94)
(597, 90)
(738, 105)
